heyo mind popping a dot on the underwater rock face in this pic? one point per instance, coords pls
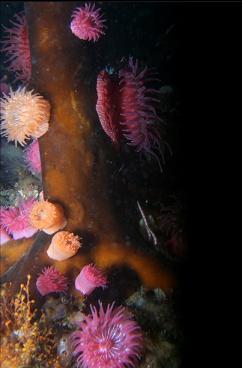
(64, 351)
(54, 309)
(15, 182)
(154, 310)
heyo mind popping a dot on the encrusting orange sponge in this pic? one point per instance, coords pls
(63, 246)
(48, 217)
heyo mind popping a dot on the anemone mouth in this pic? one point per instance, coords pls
(47, 216)
(44, 214)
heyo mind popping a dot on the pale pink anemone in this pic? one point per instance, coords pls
(15, 220)
(24, 115)
(87, 23)
(15, 44)
(32, 157)
(4, 237)
(108, 339)
(89, 279)
(51, 281)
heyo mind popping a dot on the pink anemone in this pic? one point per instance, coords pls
(15, 220)
(127, 108)
(51, 281)
(16, 47)
(87, 23)
(89, 279)
(108, 339)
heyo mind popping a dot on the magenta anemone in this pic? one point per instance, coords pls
(51, 281)
(15, 220)
(87, 23)
(127, 107)
(15, 44)
(108, 339)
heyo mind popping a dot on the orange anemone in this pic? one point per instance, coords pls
(63, 246)
(47, 216)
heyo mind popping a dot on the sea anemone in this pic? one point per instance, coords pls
(89, 279)
(63, 246)
(48, 217)
(16, 46)
(15, 220)
(110, 339)
(32, 157)
(4, 237)
(51, 281)
(108, 106)
(87, 23)
(138, 109)
(127, 107)
(24, 115)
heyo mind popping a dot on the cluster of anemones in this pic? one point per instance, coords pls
(108, 338)
(87, 23)
(127, 107)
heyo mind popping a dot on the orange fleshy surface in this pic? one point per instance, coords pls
(45, 214)
(66, 242)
